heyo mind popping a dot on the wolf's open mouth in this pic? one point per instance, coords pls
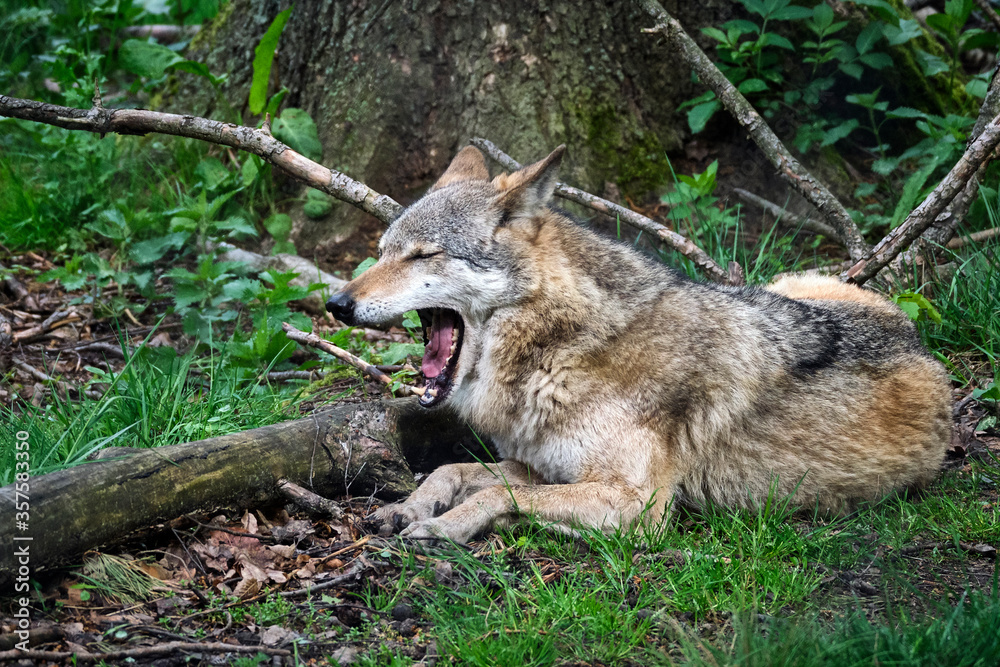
(443, 331)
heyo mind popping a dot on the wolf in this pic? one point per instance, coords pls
(614, 387)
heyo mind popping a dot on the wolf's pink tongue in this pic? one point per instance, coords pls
(438, 344)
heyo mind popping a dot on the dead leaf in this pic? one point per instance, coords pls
(249, 523)
(246, 588)
(276, 635)
(284, 550)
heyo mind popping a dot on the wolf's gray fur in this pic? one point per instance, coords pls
(607, 380)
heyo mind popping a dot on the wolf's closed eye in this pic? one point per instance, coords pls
(424, 254)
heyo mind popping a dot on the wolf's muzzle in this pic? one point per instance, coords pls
(341, 306)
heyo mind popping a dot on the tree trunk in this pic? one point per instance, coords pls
(356, 449)
(396, 87)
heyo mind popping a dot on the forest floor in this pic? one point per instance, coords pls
(911, 579)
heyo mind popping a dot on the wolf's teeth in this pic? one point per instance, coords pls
(432, 392)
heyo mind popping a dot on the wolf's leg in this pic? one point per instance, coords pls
(589, 504)
(450, 485)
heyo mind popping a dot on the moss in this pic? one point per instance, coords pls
(635, 157)
(929, 94)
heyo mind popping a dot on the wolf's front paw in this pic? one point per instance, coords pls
(431, 531)
(397, 516)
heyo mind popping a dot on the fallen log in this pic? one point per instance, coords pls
(357, 449)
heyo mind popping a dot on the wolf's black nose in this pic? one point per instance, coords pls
(341, 306)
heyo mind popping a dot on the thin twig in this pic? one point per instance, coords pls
(788, 167)
(925, 215)
(140, 121)
(792, 219)
(306, 499)
(975, 237)
(53, 321)
(366, 369)
(679, 243)
(991, 14)
(281, 376)
(168, 648)
(333, 582)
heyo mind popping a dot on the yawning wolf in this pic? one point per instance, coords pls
(611, 385)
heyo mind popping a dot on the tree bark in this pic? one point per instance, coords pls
(397, 87)
(357, 449)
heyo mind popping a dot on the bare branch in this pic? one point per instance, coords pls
(927, 213)
(679, 243)
(169, 648)
(788, 167)
(138, 121)
(792, 219)
(314, 503)
(975, 237)
(367, 369)
(991, 13)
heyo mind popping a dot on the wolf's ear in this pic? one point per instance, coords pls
(468, 165)
(525, 191)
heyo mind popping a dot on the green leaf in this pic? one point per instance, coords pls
(704, 97)
(146, 58)
(792, 13)
(911, 309)
(296, 128)
(741, 27)
(911, 191)
(237, 226)
(839, 132)
(958, 10)
(700, 114)
(884, 167)
(774, 39)
(991, 393)
(363, 266)
(284, 247)
(868, 37)
(147, 252)
(876, 60)
(906, 30)
(318, 204)
(278, 226)
(715, 34)
(212, 172)
(823, 15)
(853, 70)
(905, 112)
(866, 100)
(930, 64)
(977, 88)
(887, 9)
(754, 6)
(943, 23)
(263, 57)
(917, 306)
(275, 102)
(249, 170)
(398, 352)
(198, 69)
(752, 86)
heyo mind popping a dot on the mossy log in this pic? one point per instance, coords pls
(354, 449)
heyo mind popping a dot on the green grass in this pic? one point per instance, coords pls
(645, 596)
(965, 634)
(158, 398)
